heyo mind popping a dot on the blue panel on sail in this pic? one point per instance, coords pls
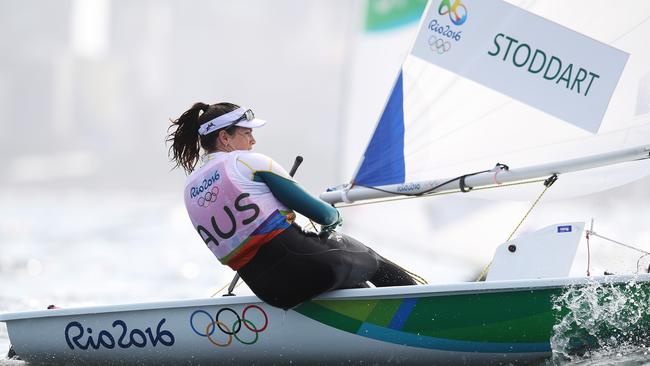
(383, 161)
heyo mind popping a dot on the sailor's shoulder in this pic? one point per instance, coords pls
(255, 161)
(253, 156)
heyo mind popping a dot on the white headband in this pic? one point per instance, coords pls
(227, 119)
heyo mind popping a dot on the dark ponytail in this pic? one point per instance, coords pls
(186, 142)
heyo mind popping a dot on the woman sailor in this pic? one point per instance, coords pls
(242, 205)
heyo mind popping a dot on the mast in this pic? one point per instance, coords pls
(498, 175)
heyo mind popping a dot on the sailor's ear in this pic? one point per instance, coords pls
(222, 135)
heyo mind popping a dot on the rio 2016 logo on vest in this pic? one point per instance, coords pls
(203, 187)
(240, 208)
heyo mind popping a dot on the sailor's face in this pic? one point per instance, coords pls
(242, 139)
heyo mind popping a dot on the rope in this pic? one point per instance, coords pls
(415, 276)
(225, 287)
(645, 253)
(407, 197)
(454, 191)
(313, 226)
(617, 242)
(638, 261)
(547, 184)
(460, 179)
(546, 187)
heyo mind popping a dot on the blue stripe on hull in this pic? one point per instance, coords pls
(402, 313)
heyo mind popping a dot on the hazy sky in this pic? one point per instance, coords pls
(87, 87)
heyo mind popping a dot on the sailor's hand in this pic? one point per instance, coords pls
(328, 229)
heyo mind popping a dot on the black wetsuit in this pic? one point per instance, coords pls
(296, 266)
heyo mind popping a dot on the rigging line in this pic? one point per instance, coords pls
(423, 193)
(547, 184)
(461, 179)
(363, 203)
(639, 261)
(404, 193)
(224, 287)
(546, 187)
(415, 276)
(313, 226)
(617, 242)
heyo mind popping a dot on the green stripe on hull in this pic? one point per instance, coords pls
(384, 312)
(523, 316)
(329, 317)
(507, 321)
(533, 329)
(355, 309)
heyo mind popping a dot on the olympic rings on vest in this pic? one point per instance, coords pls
(439, 45)
(208, 197)
(231, 332)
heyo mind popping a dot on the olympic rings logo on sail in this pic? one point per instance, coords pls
(209, 329)
(208, 197)
(439, 45)
(446, 7)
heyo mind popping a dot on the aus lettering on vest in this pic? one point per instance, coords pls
(537, 61)
(230, 230)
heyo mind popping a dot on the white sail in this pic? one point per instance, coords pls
(453, 125)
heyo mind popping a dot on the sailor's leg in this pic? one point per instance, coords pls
(350, 263)
(293, 267)
(364, 264)
(296, 266)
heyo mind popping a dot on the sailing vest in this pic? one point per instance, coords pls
(233, 215)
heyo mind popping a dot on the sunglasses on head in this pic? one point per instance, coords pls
(248, 116)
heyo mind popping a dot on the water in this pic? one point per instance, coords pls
(611, 319)
(81, 248)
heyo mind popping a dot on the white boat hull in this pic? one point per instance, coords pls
(244, 330)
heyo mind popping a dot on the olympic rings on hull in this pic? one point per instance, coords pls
(216, 325)
(208, 197)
